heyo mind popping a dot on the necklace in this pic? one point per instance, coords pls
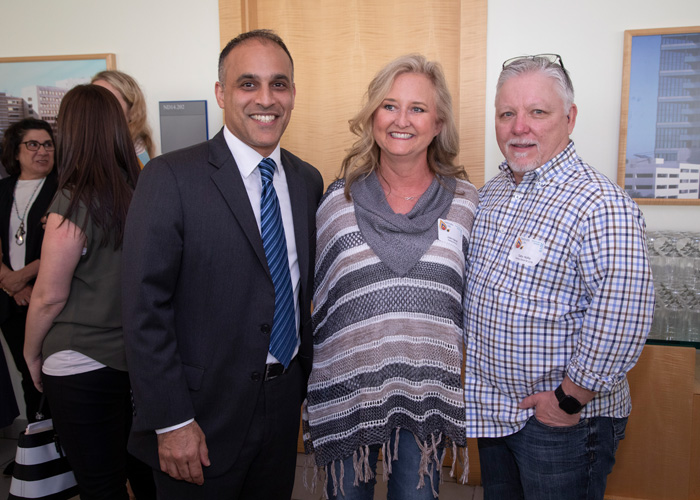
(389, 191)
(407, 198)
(19, 235)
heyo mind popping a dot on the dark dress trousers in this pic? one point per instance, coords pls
(198, 299)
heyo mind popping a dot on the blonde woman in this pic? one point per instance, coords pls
(392, 234)
(133, 103)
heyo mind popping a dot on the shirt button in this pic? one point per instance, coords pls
(265, 329)
(255, 376)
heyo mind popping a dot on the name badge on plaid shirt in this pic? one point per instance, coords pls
(526, 251)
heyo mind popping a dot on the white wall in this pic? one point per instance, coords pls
(170, 46)
(589, 35)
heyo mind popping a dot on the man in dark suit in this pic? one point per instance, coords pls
(216, 410)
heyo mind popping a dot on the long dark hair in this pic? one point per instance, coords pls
(96, 159)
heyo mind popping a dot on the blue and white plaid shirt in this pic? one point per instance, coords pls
(558, 283)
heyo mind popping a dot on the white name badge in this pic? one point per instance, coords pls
(449, 232)
(526, 251)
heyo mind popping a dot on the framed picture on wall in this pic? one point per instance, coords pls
(659, 155)
(32, 87)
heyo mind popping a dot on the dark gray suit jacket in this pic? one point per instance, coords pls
(198, 298)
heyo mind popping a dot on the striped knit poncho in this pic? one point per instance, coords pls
(387, 348)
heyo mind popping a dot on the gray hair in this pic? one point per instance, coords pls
(550, 69)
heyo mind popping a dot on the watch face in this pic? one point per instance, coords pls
(569, 404)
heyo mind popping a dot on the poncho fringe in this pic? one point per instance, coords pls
(430, 459)
(387, 347)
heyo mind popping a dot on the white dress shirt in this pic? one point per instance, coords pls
(247, 160)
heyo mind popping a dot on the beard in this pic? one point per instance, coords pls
(519, 162)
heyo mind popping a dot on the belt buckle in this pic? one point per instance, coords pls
(273, 370)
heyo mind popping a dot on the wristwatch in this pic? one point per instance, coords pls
(569, 404)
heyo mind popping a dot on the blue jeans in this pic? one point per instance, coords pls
(403, 480)
(540, 462)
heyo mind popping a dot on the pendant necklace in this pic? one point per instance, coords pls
(391, 191)
(19, 235)
(407, 198)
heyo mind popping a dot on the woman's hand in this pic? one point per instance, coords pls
(13, 282)
(34, 365)
(22, 297)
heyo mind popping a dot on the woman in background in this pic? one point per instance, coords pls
(74, 346)
(8, 404)
(392, 235)
(28, 156)
(133, 103)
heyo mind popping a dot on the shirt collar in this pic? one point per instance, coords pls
(549, 171)
(246, 157)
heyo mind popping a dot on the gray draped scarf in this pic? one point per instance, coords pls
(400, 240)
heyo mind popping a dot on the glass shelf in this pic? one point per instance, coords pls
(675, 262)
(676, 342)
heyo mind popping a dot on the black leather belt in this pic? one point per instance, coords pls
(274, 370)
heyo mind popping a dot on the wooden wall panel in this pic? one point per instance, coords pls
(230, 20)
(339, 45)
(694, 486)
(470, 106)
(653, 461)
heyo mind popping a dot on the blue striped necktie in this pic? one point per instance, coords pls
(284, 333)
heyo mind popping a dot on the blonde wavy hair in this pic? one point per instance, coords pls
(131, 93)
(363, 157)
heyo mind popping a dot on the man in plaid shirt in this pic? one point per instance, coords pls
(558, 304)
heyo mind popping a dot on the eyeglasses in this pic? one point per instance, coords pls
(35, 145)
(553, 58)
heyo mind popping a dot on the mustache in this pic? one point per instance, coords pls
(520, 142)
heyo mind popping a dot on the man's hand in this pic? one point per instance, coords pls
(547, 410)
(182, 453)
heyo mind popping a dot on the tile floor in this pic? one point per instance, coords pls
(7, 452)
(449, 490)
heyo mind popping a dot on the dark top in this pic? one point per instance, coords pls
(90, 322)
